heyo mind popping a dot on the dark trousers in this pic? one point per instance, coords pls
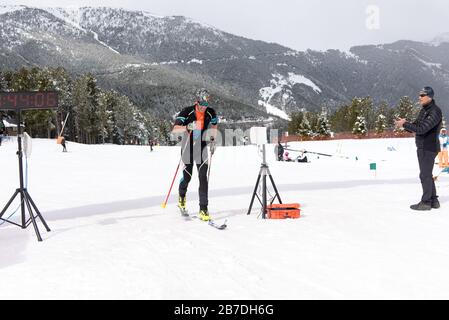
(204, 184)
(426, 160)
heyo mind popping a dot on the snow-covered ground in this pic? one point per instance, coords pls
(110, 238)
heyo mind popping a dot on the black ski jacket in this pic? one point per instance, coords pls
(427, 127)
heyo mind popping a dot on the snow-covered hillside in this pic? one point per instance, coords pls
(10, 8)
(183, 54)
(110, 238)
(281, 89)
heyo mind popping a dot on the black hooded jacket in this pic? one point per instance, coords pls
(427, 127)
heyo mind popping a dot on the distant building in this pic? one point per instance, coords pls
(11, 127)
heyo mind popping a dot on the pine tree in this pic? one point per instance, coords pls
(368, 112)
(305, 129)
(313, 118)
(150, 127)
(360, 126)
(339, 120)
(405, 110)
(163, 131)
(107, 101)
(85, 99)
(3, 82)
(323, 126)
(295, 122)
(62, 83)
(381, 123)
(125, 123)
(385, 110)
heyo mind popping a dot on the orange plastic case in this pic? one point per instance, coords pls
(284, 211)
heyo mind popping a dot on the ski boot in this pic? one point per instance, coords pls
(182, 203)
(204, 215)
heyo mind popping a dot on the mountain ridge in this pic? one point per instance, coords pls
(154, 53)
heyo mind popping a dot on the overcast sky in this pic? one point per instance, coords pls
(298, 24)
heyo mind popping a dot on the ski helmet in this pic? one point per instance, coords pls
(202, 95)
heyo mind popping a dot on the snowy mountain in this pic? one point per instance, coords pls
(159, 61)
(442, 38)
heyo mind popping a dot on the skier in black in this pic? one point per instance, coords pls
(2, 130)
(426, 127)
(279, 151)
(194, 121)
(64, 147)
(302, 156)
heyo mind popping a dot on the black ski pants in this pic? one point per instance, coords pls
(426, 160)
(204, 184)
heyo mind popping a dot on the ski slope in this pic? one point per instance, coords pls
(110, 238)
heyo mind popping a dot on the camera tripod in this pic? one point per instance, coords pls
(26, 202)
(263, 173)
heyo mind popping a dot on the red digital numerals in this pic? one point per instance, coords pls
(28, 100)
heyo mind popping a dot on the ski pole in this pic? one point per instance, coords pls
(164, 204)
(208, 167)
(318, 153)
(212, 147)
(305, 151)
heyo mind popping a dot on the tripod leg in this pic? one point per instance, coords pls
(39, 238)
(22, 207)
(274, 186)
(9, 203)
(254, 194)
(264, 196)
(37, 211)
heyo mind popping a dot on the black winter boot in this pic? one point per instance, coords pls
(435, 204)
(421, 206)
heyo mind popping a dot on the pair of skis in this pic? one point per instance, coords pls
(212, 223)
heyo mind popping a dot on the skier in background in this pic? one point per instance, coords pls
(443, 155)
(64, 147)
(2, 130)
(287, 157)
(193, 121)
(279, 151)
(302, 156)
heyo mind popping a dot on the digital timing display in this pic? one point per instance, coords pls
(28, 100)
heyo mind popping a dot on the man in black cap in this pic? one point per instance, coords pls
(426, 128)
